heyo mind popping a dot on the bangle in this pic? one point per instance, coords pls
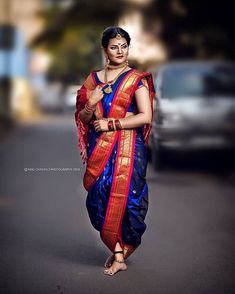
(118, 124)
(114, 126)
(110, 125)
(89, 109)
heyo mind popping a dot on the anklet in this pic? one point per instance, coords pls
(119, 261)
(118, 252)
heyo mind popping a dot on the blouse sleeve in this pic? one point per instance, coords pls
(142, 83)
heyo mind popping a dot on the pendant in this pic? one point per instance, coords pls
(108, 90)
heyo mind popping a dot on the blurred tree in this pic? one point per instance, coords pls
(189, 29)
(72, 36)
(194, 28)
(78, 52)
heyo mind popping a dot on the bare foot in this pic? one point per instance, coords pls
(109, 261)
(115, 267)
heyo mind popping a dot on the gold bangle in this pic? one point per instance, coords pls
(88, 111)
(110, 125)
(118, 125)
(88, 108)
(114, 126)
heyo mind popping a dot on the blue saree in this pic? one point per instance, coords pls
(130, 216)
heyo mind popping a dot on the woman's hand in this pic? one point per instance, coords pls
(96, 95)
(101, 125)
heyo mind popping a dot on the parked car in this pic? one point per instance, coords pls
(70, 96)
(194, 110)
(50, 98)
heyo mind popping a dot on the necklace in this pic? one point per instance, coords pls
(116, 66)
(109, 89)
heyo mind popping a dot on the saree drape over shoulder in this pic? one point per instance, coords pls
(115, 176)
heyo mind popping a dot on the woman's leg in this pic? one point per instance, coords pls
(111, 258)
(118, 263)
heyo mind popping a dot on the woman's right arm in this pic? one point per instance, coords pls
(86, 113)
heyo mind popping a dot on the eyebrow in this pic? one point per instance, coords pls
(117, 45)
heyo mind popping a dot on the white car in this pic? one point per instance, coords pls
(70, 96)
(195, 108)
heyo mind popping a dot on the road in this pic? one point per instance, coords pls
(48, 245)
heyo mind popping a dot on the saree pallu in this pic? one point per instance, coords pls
(115, 177)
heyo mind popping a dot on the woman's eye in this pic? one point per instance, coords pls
(123, 47)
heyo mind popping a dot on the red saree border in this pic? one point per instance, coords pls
(105, 142)
(81, 99)
(122, 86)
(128, 249)
(111, 230)
(99, 112)
(98, 158)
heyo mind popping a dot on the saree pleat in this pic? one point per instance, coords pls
(117, 199)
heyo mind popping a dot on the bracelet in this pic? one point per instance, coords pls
(114, 126)
(89, 109)
(110, 125)
(118, 124)
(88, 112)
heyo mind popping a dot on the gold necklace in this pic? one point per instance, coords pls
(109, 89)
(116, 66)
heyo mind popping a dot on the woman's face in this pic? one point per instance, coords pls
(117, 51)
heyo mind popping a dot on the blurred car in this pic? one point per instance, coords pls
(50, 98)
(194, 109)
(70, 96)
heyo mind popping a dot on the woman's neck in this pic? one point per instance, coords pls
(115, 66)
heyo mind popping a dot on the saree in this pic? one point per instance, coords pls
(115, 175)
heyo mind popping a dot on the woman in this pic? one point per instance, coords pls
(113, 116)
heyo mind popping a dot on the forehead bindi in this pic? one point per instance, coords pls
(115, 42)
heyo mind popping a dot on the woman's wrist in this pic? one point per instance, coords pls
(118, 124)
(114, 124)
(111, 126)
(91, 103)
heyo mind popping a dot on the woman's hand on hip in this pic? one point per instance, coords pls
(101, 125)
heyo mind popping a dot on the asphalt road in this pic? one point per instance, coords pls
(48, 245)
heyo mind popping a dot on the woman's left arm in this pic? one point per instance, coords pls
(144, 115)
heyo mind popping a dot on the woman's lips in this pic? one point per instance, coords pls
(119, 57)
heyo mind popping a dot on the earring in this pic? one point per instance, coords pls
(107, 61)
(127, 63)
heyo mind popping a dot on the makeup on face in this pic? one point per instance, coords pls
(117, 50)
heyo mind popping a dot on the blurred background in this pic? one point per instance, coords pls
(47, 49)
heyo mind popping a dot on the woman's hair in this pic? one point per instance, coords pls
(111, 32)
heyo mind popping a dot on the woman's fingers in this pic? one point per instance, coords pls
(99, 90)
(101, 125)
(97, 125)
(96, 122)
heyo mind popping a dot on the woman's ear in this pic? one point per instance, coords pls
(105, 55)
(105, 52)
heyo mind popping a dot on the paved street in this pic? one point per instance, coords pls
(48, 245)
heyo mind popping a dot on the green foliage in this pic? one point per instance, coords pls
(77, 52)
(72, 36)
